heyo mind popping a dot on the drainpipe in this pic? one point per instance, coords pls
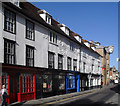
(80, 56)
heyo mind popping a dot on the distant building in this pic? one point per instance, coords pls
(105, 52)
(114, 74)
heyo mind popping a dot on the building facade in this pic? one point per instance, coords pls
(41, 57)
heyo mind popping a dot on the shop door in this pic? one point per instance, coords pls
(78, 82)
(13, 87)
(38, 86)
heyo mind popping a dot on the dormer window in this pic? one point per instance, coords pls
(48, 19)
(87, 44)
(67, 31)
(77, 37)
(64, 29)
(45, 16)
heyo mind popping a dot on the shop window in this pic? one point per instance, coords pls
(51, 60)
(70, 81)
(75, 64)
(5, 80)
(47, 83)
(60, 82)
(27, 83)
(84, 82)
(29, 56)
(60, 62)
(9, 21)
(9, 52)
(69, 63)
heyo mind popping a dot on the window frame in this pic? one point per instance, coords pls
(72, 46)
(92, 67)
(13, 32)
(69, 66)
(84, 66)
(53, 38)
(14, 56)
(61, 56)
(53, 61)
(27, 83)
(32, 48)
(74, 66)
(28, 21)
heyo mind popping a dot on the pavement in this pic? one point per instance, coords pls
(56, 98)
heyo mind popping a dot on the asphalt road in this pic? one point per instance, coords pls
(102, 97)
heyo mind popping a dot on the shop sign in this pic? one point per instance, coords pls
(44, 85)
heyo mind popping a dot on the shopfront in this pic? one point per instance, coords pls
(27, 83)
(72, 82)
(84, 82)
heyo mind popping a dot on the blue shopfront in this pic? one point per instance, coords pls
(72, 81)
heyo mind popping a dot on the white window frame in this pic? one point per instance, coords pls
(30, 33)
(9, 21)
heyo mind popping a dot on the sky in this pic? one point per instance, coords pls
(97, 21)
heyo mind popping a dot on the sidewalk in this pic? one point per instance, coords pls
(56, 98)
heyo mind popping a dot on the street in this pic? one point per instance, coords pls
(107, 95)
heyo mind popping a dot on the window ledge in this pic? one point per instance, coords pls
(53, 43)
(14, 33)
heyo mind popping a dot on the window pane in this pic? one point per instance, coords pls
(9, 23)
(30, 30)
(9, 52)
(47, 83)
(29, 56)
(50, 60)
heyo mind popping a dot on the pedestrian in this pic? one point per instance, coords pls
(4, 95)
(101, 84)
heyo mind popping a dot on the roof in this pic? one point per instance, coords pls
(32, 12)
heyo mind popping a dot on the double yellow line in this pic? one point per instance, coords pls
(55, 102)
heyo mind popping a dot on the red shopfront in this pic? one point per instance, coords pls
(28, 83)
(20, 83)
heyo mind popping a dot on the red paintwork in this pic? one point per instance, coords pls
(8, 88)
(34, 87)
(103, 68)
(19, 94)
(27, 96)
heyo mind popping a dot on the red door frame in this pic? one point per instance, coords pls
(8, 88)
(34, 77)
(19, 94)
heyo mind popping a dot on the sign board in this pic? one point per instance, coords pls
(44, 85)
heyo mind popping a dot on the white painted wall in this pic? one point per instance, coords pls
(1, 37)
(42, 46)
(40, 43)
(63, 48)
